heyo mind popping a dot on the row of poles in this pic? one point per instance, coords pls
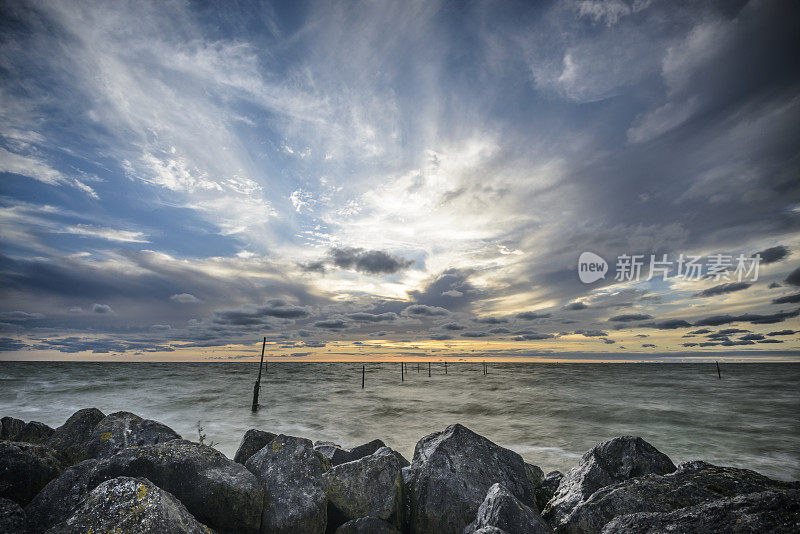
(403, 371)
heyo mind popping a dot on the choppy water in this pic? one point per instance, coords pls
(549, 413)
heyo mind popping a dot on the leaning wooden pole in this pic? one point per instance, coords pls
(363, 373)
(257, 385)
(429, 369)
(719, 374)
(402, 372)
(445, 367)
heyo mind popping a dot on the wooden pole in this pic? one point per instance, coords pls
(402, 372)
(363, 373)
(257, 385)
(719, 375)
(429, 369)
(445, 367)
(418, 367)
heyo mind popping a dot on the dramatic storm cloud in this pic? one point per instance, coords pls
(397, 178)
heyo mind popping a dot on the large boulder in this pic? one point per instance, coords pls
(253, 441)
(217, 491)
(545, 490)
(366, 449)
(390, 451)
(448, 479)
(61, 496)
(692, 484)
(502, 510)
(120, 430)
(766, 512)
(12, 429)
(606, 463)
(290, 472)
(25, 469)
(370, 486)
(367, 525)
(71, 439)
(12, 518)
(132, 506)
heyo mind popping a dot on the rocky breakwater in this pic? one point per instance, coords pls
(122, 473)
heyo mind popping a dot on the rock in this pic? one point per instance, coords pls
(25, 469)
(333, 452)
(606, 463)
(10, 427)
(534, 473)
(367, 525)
(754, 513)
(366, 449)
(132, 506)
(450, 475)
(17, 430)
(502, 510)
(252, 442)
(390, 451)
(61, 496)
(369, 486)
(547, 488)
(692, 484)
(290, 472)
(71, 439)
(216, 491)
(124, 429)
(12, 518)
(490, 530)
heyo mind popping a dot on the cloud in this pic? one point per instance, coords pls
(421, 310)
(331, 324)
(491, 320)
(367, 261)
(794, 277)
(452, 293)
(722, 289)
(669, 324)
(627, 317)
(533, 337)
(440, 337)
(474, 334)
(787, 299)
(20, 316)
(531, 315)
(782, 333)
(499, 330)
(646, 345)
(184, 298)
(373, 317)
(259, 315)
(8, 344)
(717, 320)
(576, 306)
(591, 333)
(773, 254)
(453, 326)
(101, 308)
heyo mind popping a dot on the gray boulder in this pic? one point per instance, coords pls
(370, 486)
(12, 518)
(120, 430)
(390, 451)
(366, 449)
(692, 484)
(253, 441)
(25, 469)
(766, 512)
(12, 429)
(71, 439)
(502, 510)
(545, 490)
(217, 491)
(132, 506)
(290, 471)
(335, 454)
(606, 463)
(490, 530)
(61, 496)
(450, 475)
(367, 525)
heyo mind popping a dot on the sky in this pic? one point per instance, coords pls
(399, 180)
